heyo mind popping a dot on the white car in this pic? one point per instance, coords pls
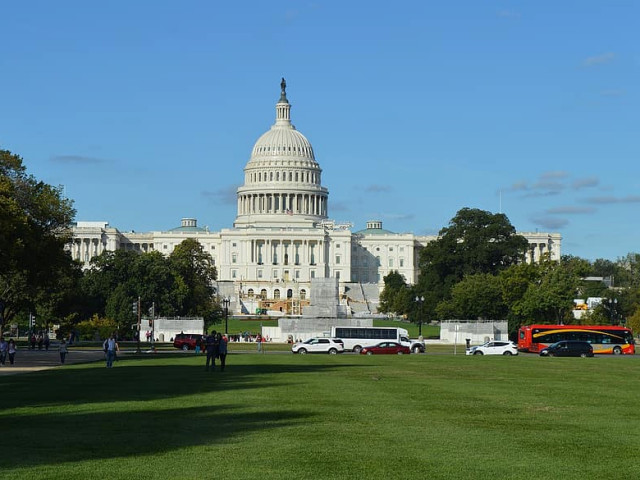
(494, 348)
(319, 345)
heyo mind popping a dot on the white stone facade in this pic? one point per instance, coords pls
(282, 237)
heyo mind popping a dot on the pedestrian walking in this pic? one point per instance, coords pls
(111, 348)
(63, 350)
(222, 351)
(47, 341)
(212, 350)
(259, 342)
(12, 351)
(4, 348)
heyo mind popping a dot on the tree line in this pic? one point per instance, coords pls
(39, 279)
(476, 269)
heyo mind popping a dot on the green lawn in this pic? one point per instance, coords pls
(283, 416)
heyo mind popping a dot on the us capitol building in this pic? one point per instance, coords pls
(282, 237)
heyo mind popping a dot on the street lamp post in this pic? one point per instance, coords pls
(419, 302)
(226, 301)
(612, 308)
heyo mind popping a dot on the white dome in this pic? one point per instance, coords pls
(282, 141)
(283, 181)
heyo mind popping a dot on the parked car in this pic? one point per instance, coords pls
(494, 348)
(319, 345)
(386, 348)
(568, 348)
(187, 341)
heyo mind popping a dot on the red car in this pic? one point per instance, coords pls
(187, 341)
(386, 348)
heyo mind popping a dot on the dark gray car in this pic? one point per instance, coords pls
(568, 348)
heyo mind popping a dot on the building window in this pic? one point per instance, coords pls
(275, 274)
(276, 294)
(259, 273)
(402, 262)
(337, 275)
(391, 263)
(263, 293)
(313, 274)
(297, 274)
(378, 261)
(337, 259)
(303, 294)
(234, 258)
(337, 245)
(391, 249)
(234, 274)
(234, 244)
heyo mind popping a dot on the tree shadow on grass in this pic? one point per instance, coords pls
(55, 438)
(135, 380)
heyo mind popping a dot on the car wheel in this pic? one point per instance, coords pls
(369, 352)
(583, 354)
(507, 353)
(400, 352)
(617, 351)
(185, 347)
(478, 352)
(417, 350)
(357, 349)
(332, 351)
(302, 351)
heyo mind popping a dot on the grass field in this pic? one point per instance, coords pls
(282, 416)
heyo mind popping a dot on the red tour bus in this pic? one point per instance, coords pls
(603, 338)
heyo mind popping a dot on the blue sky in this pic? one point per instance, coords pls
(146, 111)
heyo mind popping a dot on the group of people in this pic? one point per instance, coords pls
(10, 348)
(216, 348)
(41, 339)
(7, 348)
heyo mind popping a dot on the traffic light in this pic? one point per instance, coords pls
(135, 308)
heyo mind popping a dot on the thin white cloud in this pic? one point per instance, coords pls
(585, 183)
(226, 195)
(397, 216)
(598, 59)
(550, 222)
(607, 200)
(570, 210)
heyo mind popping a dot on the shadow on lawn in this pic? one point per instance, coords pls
(135, 381)
(59, 438)
(49, 432)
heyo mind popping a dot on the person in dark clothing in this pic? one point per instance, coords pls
(212, 350)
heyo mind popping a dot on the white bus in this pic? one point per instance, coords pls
(355, 338)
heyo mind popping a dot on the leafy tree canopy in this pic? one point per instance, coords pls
(35, 222)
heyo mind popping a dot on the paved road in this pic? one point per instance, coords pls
(35, 360)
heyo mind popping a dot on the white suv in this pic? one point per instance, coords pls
(494, 348)
(319, 345)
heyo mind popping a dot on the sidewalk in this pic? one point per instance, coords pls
(35, 360)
